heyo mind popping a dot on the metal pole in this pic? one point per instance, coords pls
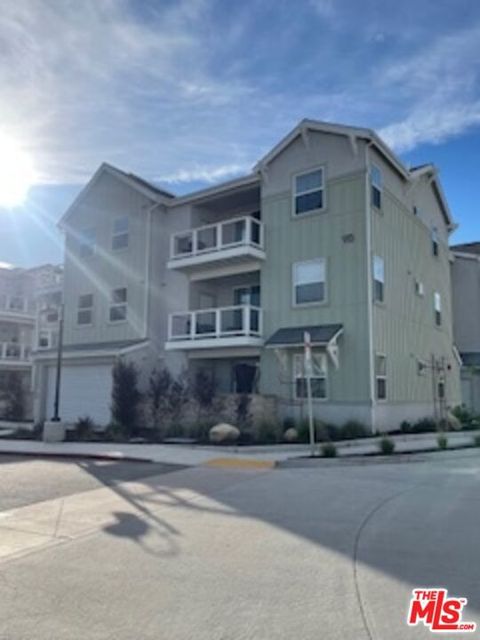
(56, 416)
(310, 415)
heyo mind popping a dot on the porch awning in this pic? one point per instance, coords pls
(290, 337)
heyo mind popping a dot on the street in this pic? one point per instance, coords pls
(124, 550)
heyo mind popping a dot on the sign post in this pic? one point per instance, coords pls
(308, 377)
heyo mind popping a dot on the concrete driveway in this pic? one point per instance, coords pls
(327, 552)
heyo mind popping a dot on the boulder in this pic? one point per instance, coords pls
(453, 422)
(223, 433)
(290, 435)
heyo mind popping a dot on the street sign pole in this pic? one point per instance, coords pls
(308, 376)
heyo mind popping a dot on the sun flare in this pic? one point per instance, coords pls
(16, 172)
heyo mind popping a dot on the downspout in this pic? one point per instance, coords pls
(368, 232)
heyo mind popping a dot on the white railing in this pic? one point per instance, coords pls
(239, 320)
(14, 351)
(235, 232)
(13, 304)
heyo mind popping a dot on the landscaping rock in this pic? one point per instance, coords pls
(223, 433)
(453, 422)
(290, 435)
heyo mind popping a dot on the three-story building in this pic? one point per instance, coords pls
(330, 235)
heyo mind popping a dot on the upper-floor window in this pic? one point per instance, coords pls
(16, 303)
(437, 305)
(378, 279)
(85, 309)
(309, 192)
(309, 281)
(381, 377)
(247, 295)
(118, 305)
(419, 288)
(377, 186)
(51, 316)
(318, 375)
(435, 245)
(87, 242)
(120, 234)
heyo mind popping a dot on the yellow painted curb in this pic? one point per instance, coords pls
(240, 463)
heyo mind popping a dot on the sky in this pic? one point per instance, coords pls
(192, 92)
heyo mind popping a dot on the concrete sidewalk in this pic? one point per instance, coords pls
(193, 455)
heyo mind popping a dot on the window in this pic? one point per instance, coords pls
(43, 339)
(435, 241)
(247, 295)
(85, 309)
(422, 367)
(309, 281)
(376, 183)
(118, 305)
(378, 279)
(437, 305)
(87, 242)
(309, 192)
(381, 377)
(16, 303)
(51, 316)
(120, 233)
(419, 288)
(318, 378)
(441, 390)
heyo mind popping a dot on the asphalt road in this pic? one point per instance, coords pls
(27, 480)
(329, 552)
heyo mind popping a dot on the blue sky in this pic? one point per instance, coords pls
(191, 92)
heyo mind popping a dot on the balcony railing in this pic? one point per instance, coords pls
(14, 351)
(224, 322)
(235, 232)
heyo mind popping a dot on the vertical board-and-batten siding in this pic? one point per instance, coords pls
(404, 325)
(106, 269)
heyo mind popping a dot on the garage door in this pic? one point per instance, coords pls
(85, 391)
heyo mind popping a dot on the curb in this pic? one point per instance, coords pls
(107, 457)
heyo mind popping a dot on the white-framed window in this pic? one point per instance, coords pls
(435, 245)
(309, 281)
(419, 288)
(120, 235)
(85, 309)
(87, 242)
(43, 339)
(309, 192)
(318, 378)
(118, 305)
(378, 279)
(437, 306)
(422, 367)
(247, 295)
(376, 181)
(380, 376)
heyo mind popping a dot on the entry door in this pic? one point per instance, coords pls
(244, 376)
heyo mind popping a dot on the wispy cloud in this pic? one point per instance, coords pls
(195, 90)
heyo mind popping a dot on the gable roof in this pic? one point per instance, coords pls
(468, 247)
(370, 136)
(135, 182)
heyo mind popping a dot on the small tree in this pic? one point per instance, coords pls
(204, 390)
(158, 391)
(15, 396)
(125, 396)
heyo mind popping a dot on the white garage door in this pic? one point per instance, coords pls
(85, 391)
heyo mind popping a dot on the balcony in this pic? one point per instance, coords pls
(15, 308)
(236, 326)
(15, 353)
(235, 245)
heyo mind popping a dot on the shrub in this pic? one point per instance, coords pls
(242, 411)
(267, 433)
(463, 414)
(424, 425)
(386, 446)
(158, 387)
(442, 441)
(15, 396)
(289, 423)
(84, 428)
(353, 429)
(204, 390)
(125, 396)
(406, 426)
(116, 433)
(328, 450)
(476, 441)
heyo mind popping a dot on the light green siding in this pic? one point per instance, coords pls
(289, 240)
(404, 325)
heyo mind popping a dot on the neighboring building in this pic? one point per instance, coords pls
(466, 318)
(23, 293)
(330, 233)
